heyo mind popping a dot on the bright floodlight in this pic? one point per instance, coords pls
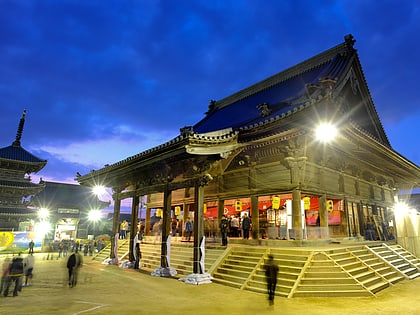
(403, 208)
(94, 215)
(42, 228)
(99, 190)
(326, 132)
(43, 213)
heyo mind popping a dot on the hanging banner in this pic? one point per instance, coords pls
(276, 203)
(238, 205)
(306, 203)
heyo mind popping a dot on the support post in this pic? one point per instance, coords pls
(198, 225)
(297, 214)
(115, 223)
(323, 217)
(255, 216)
(133, 227)
(167, 199)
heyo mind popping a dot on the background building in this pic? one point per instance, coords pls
(71, 211)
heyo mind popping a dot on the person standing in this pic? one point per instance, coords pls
(224, 226)
(174, 225)
(126, 228)
(123, 229)
(28, 267)
(74, 262)
(271, 271)
(31, 247)
(188, 228)
(140, 228)
(246, 226)
(137, 252)
(234, 226)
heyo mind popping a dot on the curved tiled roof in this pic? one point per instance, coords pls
(19, 184)
(238, 117)
(282, 97)
(17, 153)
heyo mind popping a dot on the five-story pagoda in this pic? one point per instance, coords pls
(16, 188)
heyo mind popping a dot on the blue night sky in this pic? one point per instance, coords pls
(104, 80)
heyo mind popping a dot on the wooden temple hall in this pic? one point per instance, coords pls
(303, 153)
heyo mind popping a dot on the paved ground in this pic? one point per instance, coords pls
(105, 289)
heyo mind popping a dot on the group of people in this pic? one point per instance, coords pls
(13, 270)
(176, 229)
(124, 226)
(232, 226)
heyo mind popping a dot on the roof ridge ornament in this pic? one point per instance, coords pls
(264, 109)
(186, 131)
(212, 107)
(349, 40)
(16, 143)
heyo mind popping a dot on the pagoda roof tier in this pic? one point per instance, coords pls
(16, 211)
(21, 184)
(17, 154)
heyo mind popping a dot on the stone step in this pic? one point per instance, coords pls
(333, 293)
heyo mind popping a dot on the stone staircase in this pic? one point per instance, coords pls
(181, 255)
(123, 249)
(353, 271)
(400, 259)
(290, 262)
(326, 276)
(238, 265)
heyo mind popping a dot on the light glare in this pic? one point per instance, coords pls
(94, 215)
(43, 213)
(99, 190)
(326, 132)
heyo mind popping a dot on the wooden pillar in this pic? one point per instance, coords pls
(255, 214)
(198, 226)
(323, 217)
(166, 221)
(297, 214)
(147, 221)
(186, 212)
(220, 212)
(133, 227)
(115, 223)
(220, 209)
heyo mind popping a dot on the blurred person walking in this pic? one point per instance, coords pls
(271, 271)
(15, 275)
(74, 262)
(28, 267)
(5, 273)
